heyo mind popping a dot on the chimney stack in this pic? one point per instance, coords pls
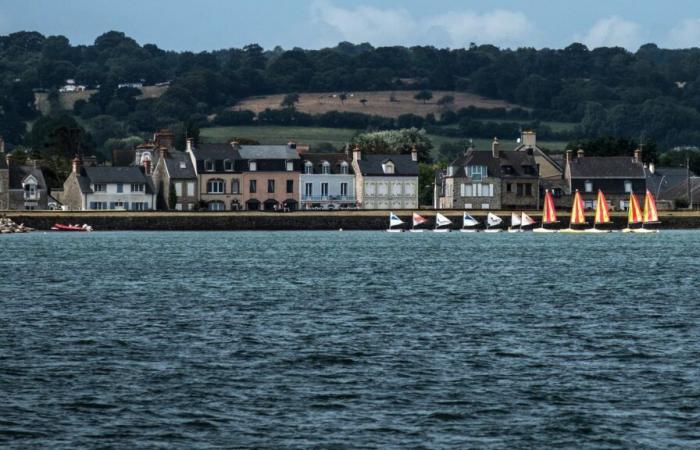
(2, 145)
(292, 145)
(189, 144)
(529, 139)
(8, 159)
(638, 155)
(494, 147)
(579, 153)
(414, 153)
(77, 164)
(235, 144)
(356, 153)
(652, 168)
(147, 162)
(569, 156)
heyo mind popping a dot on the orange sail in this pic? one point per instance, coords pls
(651, 215)
(577, 217)
(549, 215)
(602, 214)
(634, 212)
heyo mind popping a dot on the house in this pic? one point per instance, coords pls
(173, 175)
(327, 181)
(671, 186)
(549, 167)
(494, 179)
(22, 187)
(252, 177)
(616, 176)
(386, 181)
(107, 187)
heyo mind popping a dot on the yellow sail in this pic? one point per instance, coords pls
(577, 217)
(651, 215)
(634, 212)
(602, 214)
(549, 215)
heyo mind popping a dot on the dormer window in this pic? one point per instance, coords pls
(588, 186)
(290, 166)
(476, 173)
(325, 168)
(308, 167)
(388, 167)
(252, 166)
(508, 170)
(209, 165)
(228, 165)
(450, 171)
(344, 168)
(183, 165)
(628, 186)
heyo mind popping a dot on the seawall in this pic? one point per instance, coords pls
(312, 220)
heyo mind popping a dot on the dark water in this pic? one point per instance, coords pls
(349, 340)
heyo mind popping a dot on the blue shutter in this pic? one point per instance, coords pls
(126, 205)
(120, 187)
(111, 205)
(92, 205)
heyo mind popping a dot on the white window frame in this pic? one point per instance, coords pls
(308, 167)
(220, 186)
(253, 166)
(628, 186)
(178, 189)
(190, 188)
(208, 165)
(588, 186)
(290, 166)
(325, 168)
(324, 189)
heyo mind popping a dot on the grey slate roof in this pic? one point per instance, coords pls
(111, 174)
(371, 164)
(334, 159)
(268, 152)
(667, 183)
(606, 167)
(517, 161)
(215, 152)
(175, 170)
(19, 173)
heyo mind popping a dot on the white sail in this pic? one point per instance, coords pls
(514, 220)
(493, 220)
(526, 220)
(469, 221)
(441, 221)
(394, 220)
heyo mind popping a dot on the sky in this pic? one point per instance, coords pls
(214, 24)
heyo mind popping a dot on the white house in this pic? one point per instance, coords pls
(386, 181)
(327, 181)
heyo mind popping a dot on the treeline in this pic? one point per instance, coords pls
(652, 92)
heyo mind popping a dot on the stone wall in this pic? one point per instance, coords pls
(4, 188)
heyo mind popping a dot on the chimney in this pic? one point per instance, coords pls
(2, 145)
(529, 139)
(292, 145)
(8, 159)
(579, 153)
(235, 144)
(494, 147)
(164, 138)
(356, 153)
(189, 145)
(652, 168)
(638, 155)
(414, 153)
(77, 164)
(569, 156)
(147, 162)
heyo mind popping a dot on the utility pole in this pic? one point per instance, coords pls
(690, 190)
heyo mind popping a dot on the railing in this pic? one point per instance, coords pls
(327, 198)
(34, 196)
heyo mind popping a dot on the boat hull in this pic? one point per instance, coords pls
(595, 231)
(544, 230)
(571, 231)
(643, 231)
(493, 230)
(441, 230)
(396, 230)
(416, 231)
(468, 230)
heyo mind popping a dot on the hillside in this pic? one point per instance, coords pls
(379, 103)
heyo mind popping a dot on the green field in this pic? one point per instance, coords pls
(555, 126)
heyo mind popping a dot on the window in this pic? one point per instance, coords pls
(178, 206)
(209, 165)
(476, 173)
(520, 189)
(628, 186)
(344, 168)
(388, 167)
(235, 186)
(308, 167)
(253, 166)
(118, 205)
(216, 206)
(290, 186)
(308, 189)
(215, 187)
(290, 166)
(190, 188)
(343, 189)
(136, 187)
(120, 188)
(98, 205)
(183, 165)
(588, 186)
(509, 187)
(253, 186)
(324, 189)
(99, 188)
(528, 189)
(270, 186)
(178, 189)
(228, 165)
(325, 168)
(30, 191)
(477, 190)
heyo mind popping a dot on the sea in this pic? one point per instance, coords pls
(349, 340)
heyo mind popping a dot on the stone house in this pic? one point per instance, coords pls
(22, 187)
(175, 179)
(327, 181)
(549, 167)
(386, 181)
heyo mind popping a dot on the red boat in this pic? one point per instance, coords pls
(61, 227)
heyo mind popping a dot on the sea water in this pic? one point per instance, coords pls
(203, 340)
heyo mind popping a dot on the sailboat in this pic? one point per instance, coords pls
(602, 214)
(469, 224)
(577, 216)
(514, 223)
(442, 221)
(525, 221)
(650, 216)
(492, 220)
(549, 214)
(634, 214)
(394, 221)
(418, 220)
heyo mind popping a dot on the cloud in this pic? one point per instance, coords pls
(685, 34)
(396, 26)
(613, 32)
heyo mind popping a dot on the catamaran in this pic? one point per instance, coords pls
(418, 220)
(549, 214)
(492, 221)
(634, 214)
(441, 221)
(514, 223)
(650, 216)
(602, 214)
(393, 222)
(577, 216)
(469, 224)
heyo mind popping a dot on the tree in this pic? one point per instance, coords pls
(363, 101)
(289, 100)
(423, 95)
(446, 101)
(395, 141)
(343, 97)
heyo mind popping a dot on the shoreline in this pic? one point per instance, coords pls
(293, 221)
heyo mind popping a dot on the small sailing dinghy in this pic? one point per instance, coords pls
(549, 214)
(469, 224)
(418, 220)
(602, 215)
(492, 221)
(393, 222)
(525, 222)
(441, 224)
(650, 216)
(577, 216)
(514, 223)
(634, 214)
